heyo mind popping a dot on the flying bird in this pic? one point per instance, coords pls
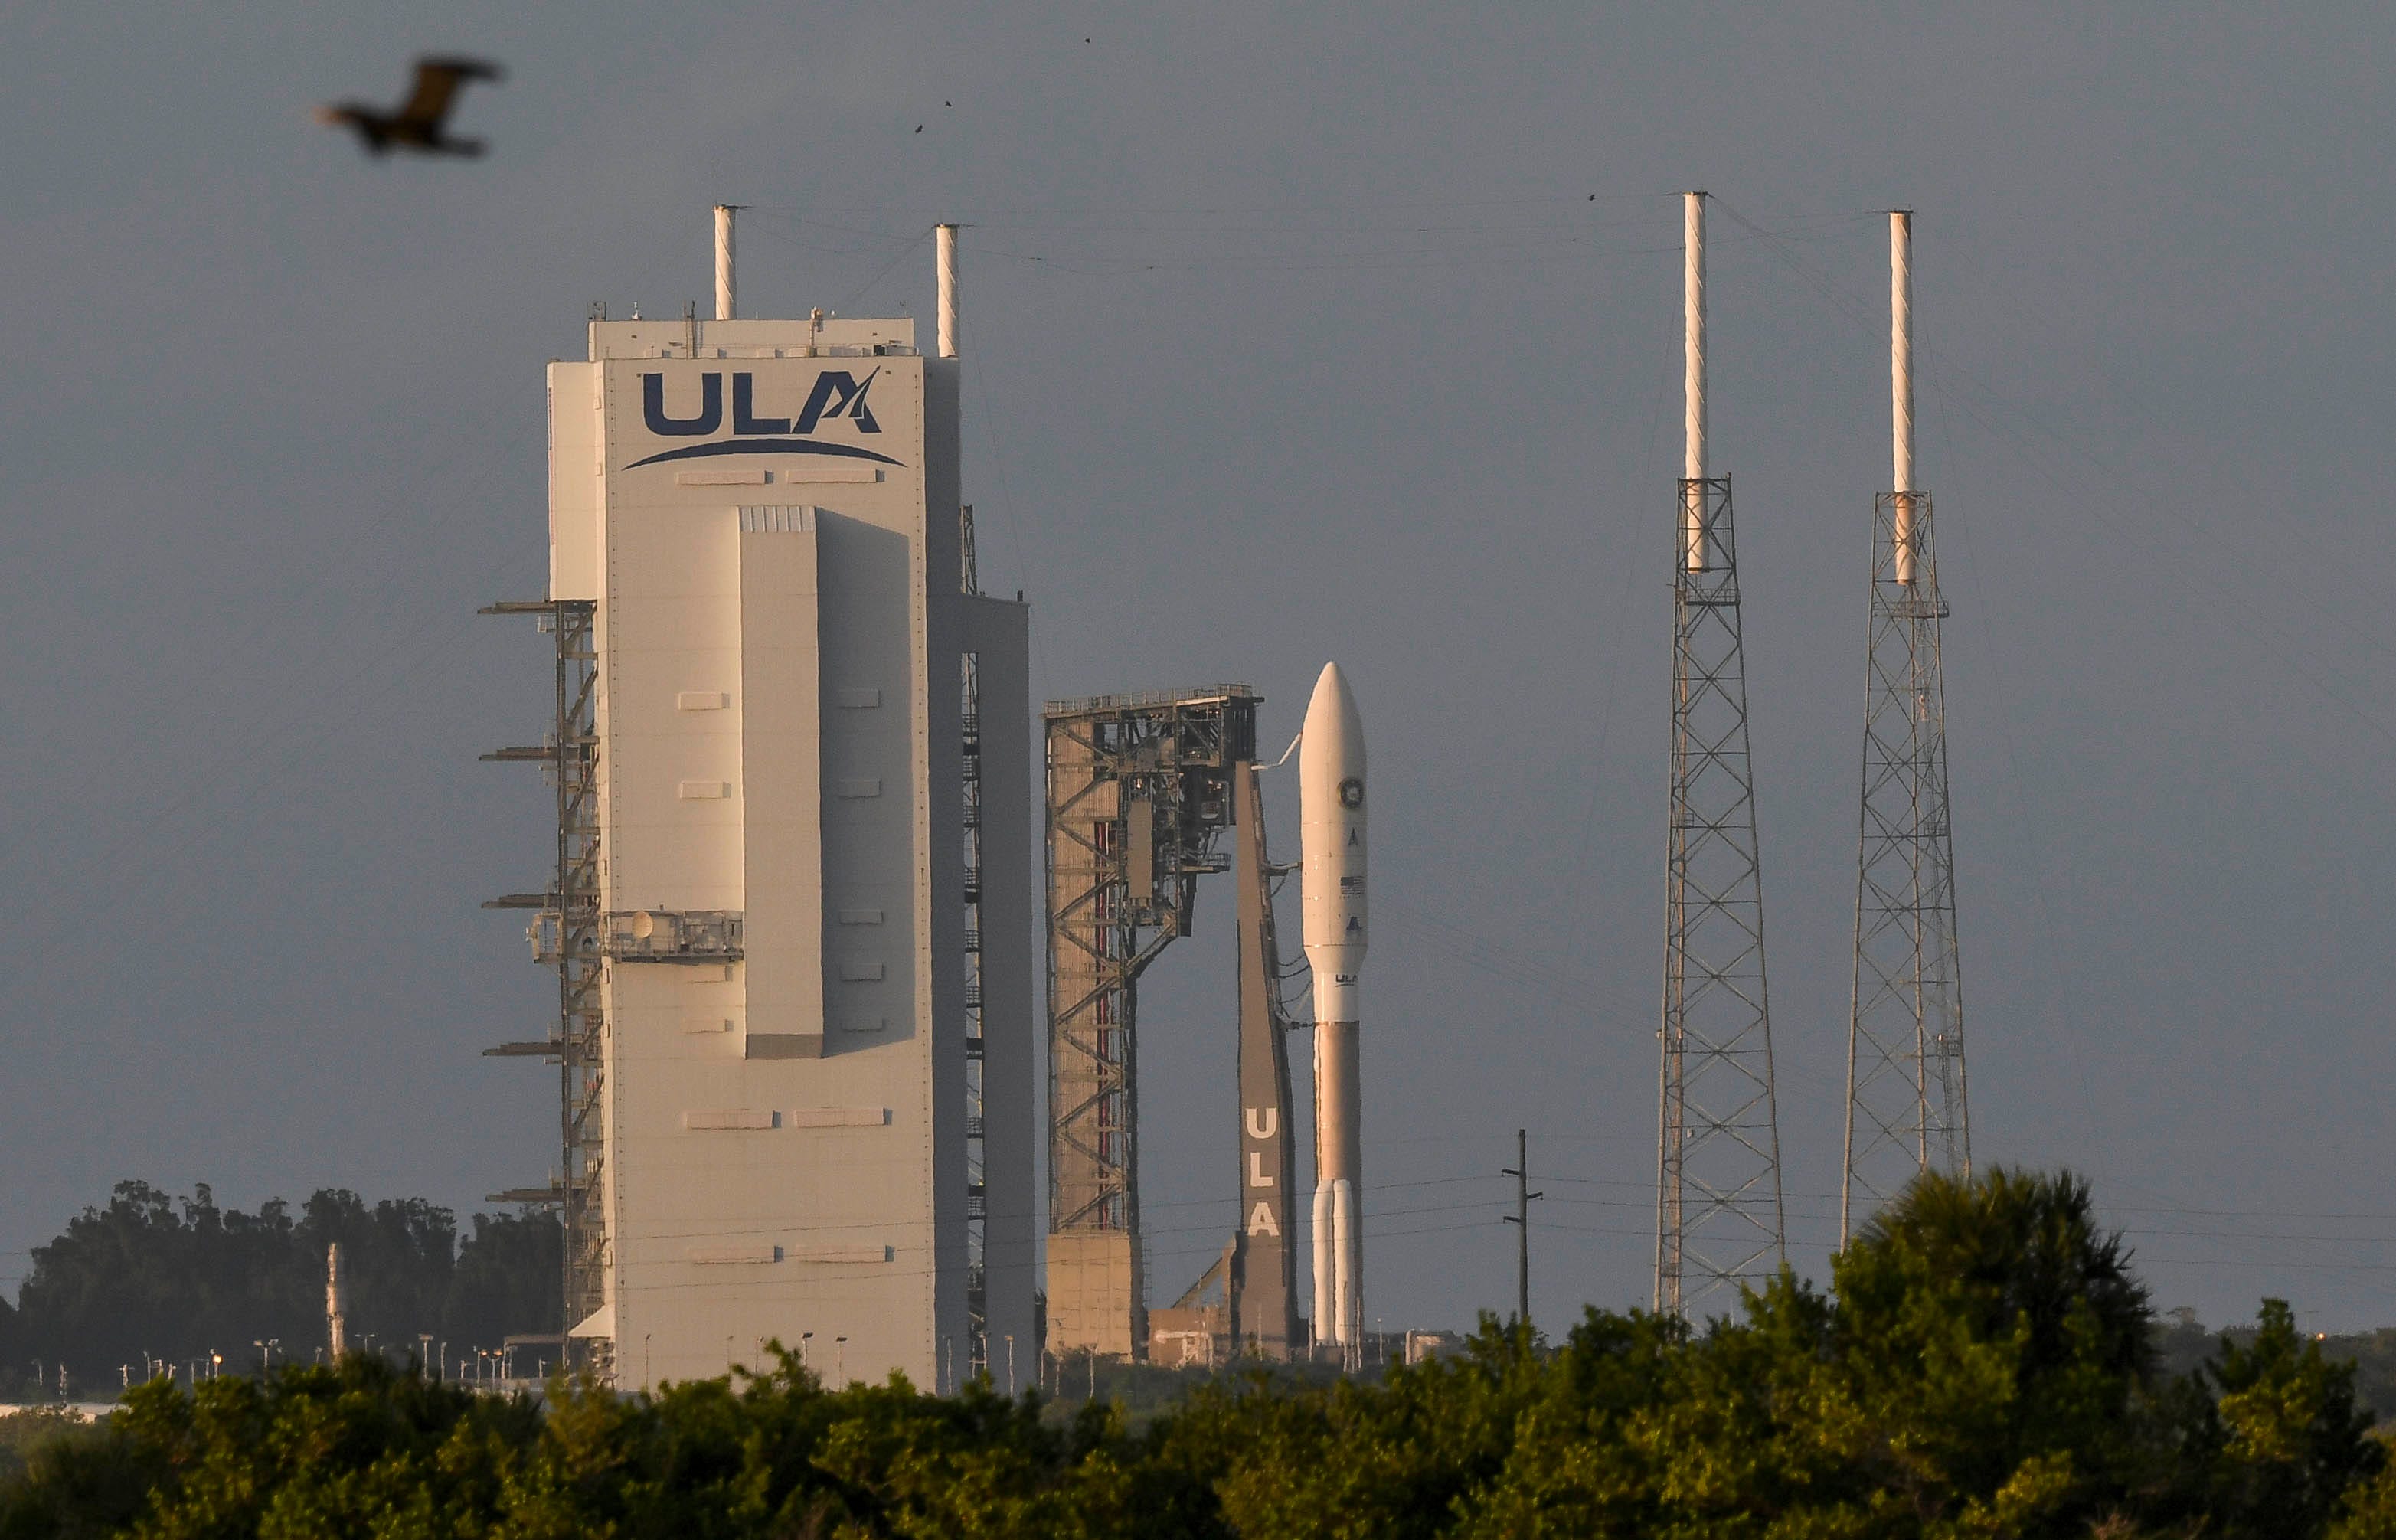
(421, 123)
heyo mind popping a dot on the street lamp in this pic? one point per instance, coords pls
(840, 1360)
(805, 1337)
(1010, 1365)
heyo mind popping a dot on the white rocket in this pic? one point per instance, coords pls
(337, 1303)
(1331, 843)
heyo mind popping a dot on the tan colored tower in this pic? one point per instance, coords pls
(814, 916)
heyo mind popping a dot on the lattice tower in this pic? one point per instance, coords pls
(566, 936)
(1718, 1208)
(1907, 1107)
(1139, 788)
(1908, 1110)
(1719, 1221)
(976, 1157)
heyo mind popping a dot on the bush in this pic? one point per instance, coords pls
(1981, 1364)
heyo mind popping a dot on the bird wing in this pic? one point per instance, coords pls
(437, 81)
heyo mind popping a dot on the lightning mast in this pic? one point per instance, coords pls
(1718, 1210)
(1906, 1103)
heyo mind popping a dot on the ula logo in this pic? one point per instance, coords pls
(837, 393)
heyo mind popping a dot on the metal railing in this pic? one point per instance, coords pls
(666, 936)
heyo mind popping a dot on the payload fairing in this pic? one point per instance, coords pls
(1332, 846)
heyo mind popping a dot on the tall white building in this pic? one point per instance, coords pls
(814, 857)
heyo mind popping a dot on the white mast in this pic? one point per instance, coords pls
(945, 247)
(1695, 519)
(724, 291)
(1901, 382)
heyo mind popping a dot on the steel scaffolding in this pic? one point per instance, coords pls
(1140, 788)
(976, 1162)
(565, 935)
(1718, 1213)
(1907, 1107)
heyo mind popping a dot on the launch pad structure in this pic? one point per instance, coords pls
(564, 935)
(1719, 1220)
(790, 905)
(1144, 792)
(1907, 1105)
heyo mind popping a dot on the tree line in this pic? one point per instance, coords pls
(154, 1277)
(1982, 1363)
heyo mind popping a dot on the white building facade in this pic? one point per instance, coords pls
(815, 856)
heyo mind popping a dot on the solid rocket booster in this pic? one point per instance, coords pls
(1331, 844)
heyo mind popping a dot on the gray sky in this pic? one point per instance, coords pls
(1292, 335)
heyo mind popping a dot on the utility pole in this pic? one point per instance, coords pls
(1520, 1220)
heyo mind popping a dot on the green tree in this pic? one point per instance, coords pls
(2281, 1441)
(2368, 1511)
(1995, 1346)
(151, 1275)
(1979, 1367)
(23, 1434)
(506, 1279)
(350, 1450)
(1404, 1457)
(11, 1344)
(397, 1255)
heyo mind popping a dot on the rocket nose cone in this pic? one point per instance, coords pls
(1332, 709)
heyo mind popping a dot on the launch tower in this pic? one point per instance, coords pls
(1905, 1106)
(1718, 1214)
(791, 909)
(1140, 789)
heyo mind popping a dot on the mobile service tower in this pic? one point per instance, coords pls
(792, 916)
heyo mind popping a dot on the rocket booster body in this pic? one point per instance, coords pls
(337, 1302)
(1332, 846)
